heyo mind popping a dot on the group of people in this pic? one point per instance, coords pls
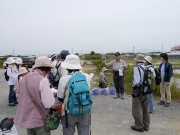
(65, 65)
(142, 102)
(15, 73)
(35, 87)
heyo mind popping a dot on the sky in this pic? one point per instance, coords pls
(82, 26)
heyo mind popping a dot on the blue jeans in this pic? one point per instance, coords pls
(12, 94)
(151, 103)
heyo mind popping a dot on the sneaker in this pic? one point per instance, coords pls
(116, 96)
(16, 102)
(167, 104)
(161, 103)
(12, 104)
(134, 128)
(122, 96)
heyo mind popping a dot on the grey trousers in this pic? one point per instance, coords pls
(119, 83)
(38, 131)
(82, 122)
(140, 111)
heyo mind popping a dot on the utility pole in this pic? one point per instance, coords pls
(72, 50)
(133, 50)
(13, 52)
(162, 47)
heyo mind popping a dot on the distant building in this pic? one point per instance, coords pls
(175, 49)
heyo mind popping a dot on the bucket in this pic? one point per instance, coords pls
(112, 91)
(103, 91)
(95, 92)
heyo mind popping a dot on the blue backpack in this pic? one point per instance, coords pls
(80, 99)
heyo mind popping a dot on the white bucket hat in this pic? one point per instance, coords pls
(10, 60)
(42, 61)
(104, 69)
(18, 61)
(139, 58)
(71, 62)
(148, 59)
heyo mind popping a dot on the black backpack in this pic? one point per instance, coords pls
(6, 76)
(52, 78)
(148, 80)
(158, 77)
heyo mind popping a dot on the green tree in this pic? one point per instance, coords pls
(77, 54)
(92, 53)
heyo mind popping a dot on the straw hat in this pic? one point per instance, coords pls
(42, 61)
(139, 58)
(22, 70)
(71, 62)
(148, 59)
(18, 61)
(104, 69)
(10, 60)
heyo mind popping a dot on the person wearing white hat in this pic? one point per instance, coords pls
(27, 115)
(70, 121)
(149, 66)
(18, 63)
(140, 109)
(103, 83)
(12, 72)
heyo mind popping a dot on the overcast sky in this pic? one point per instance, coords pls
(46, 27)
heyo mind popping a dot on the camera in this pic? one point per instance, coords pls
(136, 92)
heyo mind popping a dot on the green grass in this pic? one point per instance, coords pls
(1, 63)
(176, 75)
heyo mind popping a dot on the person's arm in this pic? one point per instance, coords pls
(169, 73)
(47, 97)
(62, 87)
(110, 64)
(136, 77)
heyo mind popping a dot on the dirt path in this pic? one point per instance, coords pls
(109, 116)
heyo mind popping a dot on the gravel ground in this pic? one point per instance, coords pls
(110, 116)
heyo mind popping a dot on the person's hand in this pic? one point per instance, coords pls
(55, 94)
(133, 85)
(167, 83)
(124, 67)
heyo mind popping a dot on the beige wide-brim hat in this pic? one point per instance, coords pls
(22, 70)
(42, 61)
(139, 58)
(10, 61)
(71, 62)
(148, 59)
(104, 69)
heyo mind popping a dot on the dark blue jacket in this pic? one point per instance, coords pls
(168, 71)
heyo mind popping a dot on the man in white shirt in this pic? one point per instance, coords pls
(140, 110)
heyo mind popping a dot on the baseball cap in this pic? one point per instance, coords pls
(117, 54)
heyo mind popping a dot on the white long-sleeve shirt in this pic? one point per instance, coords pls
(13, 75)
(137, 79)
(151, 69)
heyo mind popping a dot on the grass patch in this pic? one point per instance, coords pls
(1, 63)
(176, 75)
